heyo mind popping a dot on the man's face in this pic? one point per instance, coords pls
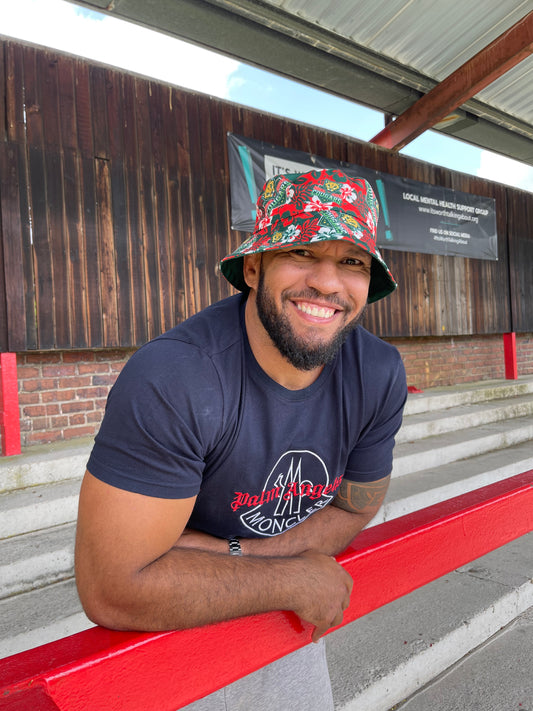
(309, 298)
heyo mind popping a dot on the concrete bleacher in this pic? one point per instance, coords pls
(453, 440)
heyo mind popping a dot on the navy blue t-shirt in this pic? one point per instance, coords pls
(193, 414)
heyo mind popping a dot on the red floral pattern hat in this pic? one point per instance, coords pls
(299, 208)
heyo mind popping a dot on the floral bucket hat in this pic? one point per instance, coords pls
(300, 208)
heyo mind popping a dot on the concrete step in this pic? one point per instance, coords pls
(33, 560)
(38, 507)
(503, 671)
(40, 558)
(44, 464)
(462, 417)
(54, 503)
(467, 394)
(419, 489)
(431, 452)
(40, 616)
(385, 657)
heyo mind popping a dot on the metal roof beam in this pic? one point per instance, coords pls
(486, 66)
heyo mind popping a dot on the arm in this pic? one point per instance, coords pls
(130, 576)
(328, 531)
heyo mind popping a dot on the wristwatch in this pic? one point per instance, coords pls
(234, 546)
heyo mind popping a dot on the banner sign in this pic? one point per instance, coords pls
(414, 216)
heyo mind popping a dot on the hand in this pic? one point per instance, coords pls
(325, 592)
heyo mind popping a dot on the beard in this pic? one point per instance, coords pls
(300, 353)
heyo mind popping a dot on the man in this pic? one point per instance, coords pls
(244, 448)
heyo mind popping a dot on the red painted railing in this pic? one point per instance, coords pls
(118, 671)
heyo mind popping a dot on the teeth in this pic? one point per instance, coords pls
(317, 311)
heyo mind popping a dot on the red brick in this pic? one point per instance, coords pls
(34, 410)
(59, 370)
(77, 406)
(40, 423)
(104, 379)
(59, 422)
(28, 371)
(43, 437)
(113, 355)
(78, 419)
(78, 356)
(91, 368)
(92, 393)
(74, 382)
(43, 357)
(72, 432)
(33, 385)
(58, 395)
(29, 398)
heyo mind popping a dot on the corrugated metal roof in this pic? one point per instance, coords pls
(434, 38)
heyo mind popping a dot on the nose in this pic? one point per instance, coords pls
(324, 276)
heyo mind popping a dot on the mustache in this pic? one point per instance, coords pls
(311, 294)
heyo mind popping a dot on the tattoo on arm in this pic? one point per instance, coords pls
(360, 497)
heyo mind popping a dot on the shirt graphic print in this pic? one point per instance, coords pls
(298, 485)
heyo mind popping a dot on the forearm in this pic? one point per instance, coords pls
(189, 588)
(329, 531)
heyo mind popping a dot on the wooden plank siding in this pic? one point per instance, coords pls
(520, 236)
(115, 210)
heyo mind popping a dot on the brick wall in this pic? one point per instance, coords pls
(62, 395)
(524, 352)
(433, 362)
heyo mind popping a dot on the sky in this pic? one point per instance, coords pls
(76, 30)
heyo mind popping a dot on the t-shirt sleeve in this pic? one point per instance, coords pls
(163, 415)
(371, 458)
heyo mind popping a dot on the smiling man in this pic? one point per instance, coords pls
(244, 448)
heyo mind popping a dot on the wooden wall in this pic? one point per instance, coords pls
(114, 207)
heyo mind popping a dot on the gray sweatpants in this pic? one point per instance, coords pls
(297, 682)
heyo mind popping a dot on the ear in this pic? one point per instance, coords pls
(251, 269)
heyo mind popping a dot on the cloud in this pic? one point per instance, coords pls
(505, 170)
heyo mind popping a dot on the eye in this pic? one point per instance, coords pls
(300, 253)
(357, 263)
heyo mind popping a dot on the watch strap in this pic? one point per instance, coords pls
(234, 546)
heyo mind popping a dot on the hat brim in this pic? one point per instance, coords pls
(381, 283)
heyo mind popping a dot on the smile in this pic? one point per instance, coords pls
(316, 311)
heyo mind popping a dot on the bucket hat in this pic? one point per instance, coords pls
(318, 206)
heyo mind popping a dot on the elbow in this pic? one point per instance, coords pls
(103, 607)
(100, 611)
(103, 616)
